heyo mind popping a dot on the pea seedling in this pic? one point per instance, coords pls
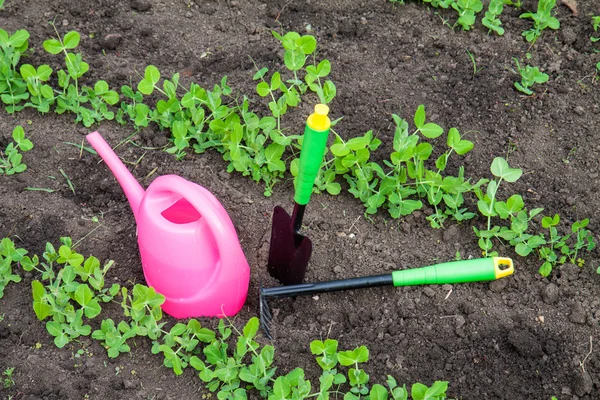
(491, 20)
(595, 25)
(529, 76)
(542, 19)
(13, 88)
(73, 95)
(11, 164)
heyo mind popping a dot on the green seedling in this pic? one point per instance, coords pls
(440, 3)
(474, 62)
(10, 162)
(595, 25)
(559, 250)
(491, 20)
(489, 206)
(69, 183)
(179, 344)
(41, 94)
(10, 256)
(1, 4)
(7, 378)
(73, 95)
(229, 373)
(13, 88)
(467, 10)
(68, 294)
(529, 76)
(542, 19)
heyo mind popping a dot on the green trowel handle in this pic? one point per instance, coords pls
(476, 270)
(311, 156)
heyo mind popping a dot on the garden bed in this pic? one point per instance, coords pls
(522, 337)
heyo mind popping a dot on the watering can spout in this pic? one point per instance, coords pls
(133, 190)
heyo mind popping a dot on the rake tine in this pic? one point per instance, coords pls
(265, 315)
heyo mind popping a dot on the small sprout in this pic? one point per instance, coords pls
(529, 76)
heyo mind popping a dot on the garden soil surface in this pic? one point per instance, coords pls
(522, 337)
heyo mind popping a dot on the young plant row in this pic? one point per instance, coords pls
(197, 118)
(468, 10)
(69, 292)
(412, 177)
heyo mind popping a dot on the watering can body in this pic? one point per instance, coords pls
(189, 249)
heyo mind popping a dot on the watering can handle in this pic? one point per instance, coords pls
(205, 206)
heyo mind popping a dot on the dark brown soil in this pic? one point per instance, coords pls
(522, 337)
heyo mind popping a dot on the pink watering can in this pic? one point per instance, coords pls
(189, 248)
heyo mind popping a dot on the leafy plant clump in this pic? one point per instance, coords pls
(542, 19)
(7, 378)
(467, 10)
(529, 76)
(73, 97)
(9, 257)
(552, 250)
(491, 19)
(410, 175)
(10, 162)
(595, 25)
(68, 294)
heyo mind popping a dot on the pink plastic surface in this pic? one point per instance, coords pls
(188, 245)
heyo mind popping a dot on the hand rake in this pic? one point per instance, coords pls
(476, 270)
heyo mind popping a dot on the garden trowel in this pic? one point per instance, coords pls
(290, 251)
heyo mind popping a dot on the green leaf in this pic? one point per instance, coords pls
(501, 169)
(436, 390)
(251, 328)
(324, 68)
(378, 392)
(19, 39)
(260, 73)
(545, 269)
(152, 74)
(431, 130)
(71, 40)
(111, 97)
(307, 44)
(53, 46)
(263, 89)
(85, 297)
(294, 59)
(547, 222)
(275, 81)
(418, 391)
(358, 355)
(420, 116)
(463, 147)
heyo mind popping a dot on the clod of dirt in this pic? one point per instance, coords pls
(112, 41)
(140, 5)
(569, 36)
(526, 344)
(577, 315)
(584, 384)
(550, 294)
(452, 234)
(498, 286)
(570, 271)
